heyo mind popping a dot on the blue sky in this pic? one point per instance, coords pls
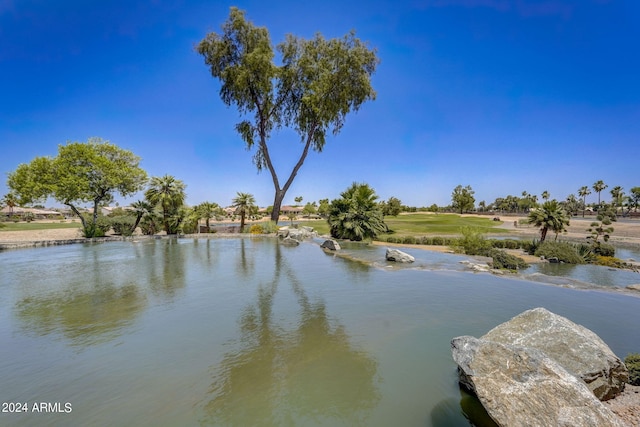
(505, 96)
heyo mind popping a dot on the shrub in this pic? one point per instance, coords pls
(632, 361)
(438, 241)
(426, 240)
(122, 225)
(511, 244)
(503, 260)
(496, 243)
(530, 247)
(256, 229)
(472, 242)
(189, 226)
(609, 261)
(410, 240)
(565, 252)
(604, 249)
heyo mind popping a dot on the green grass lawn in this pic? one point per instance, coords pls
(420, 224)
(21, 226)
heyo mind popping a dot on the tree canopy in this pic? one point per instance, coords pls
(317, 83)
(462, 199)
(168, 194)
(82, 172)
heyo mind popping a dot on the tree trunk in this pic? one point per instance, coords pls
(242, 220)
(277, 204)
(543, 234)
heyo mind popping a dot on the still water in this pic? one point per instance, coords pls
(246, 332)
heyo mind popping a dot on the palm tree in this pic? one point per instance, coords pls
(584, 192)
(357, 215)
(550, 217)
(168, 194)
(244, 204)
(208, 210)
(142, 208)
(545, 195)
(617, 195)
(11, 201)
(598, 186)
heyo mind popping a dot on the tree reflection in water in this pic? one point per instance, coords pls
(289, 377)
(85, 317)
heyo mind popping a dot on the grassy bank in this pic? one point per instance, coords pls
(27, 226)
(422, 224)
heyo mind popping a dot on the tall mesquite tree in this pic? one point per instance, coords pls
(317, 83)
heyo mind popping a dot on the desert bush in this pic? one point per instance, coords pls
(122, 224)
(409, 240)
(632, 361)
(437, 240)
(503, 260)
(392, 239)
(511, 244)
(497, 243)
(256, 229)
(565, 252)
(424, 240)
(530, 247)
(472, 242)
(603, 249)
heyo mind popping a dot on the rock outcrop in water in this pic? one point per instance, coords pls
(330, 244)
(520, 386)
(398, 256)
(541, 369)
(574, 347)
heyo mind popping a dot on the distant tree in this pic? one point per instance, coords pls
(462, 199)
(545, 195)
(167, 194)
(550, 216)
(208, 210)
(392, 207)
(318, 84)
(323, 207)
(244, 204)
(82, 172)
(634, 198)
(482, 205)
(309, 209)
(434, 208)
(571, 205)
(584, 192)
(598, 187)
(10, 200)
(617, 195)
(298, 200)
(356, 215)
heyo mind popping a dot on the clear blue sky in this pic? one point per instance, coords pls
(502, 95)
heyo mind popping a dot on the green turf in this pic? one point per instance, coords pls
(22, 226)
(420, 224)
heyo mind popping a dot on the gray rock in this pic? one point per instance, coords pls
(302, 233)
(576, 348)
(331, 245)
(283, 232)
(634, 287)
(398, 256)
(521, 386)
(288, 241)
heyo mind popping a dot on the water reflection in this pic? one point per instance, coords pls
(283, 376)
(85, 317)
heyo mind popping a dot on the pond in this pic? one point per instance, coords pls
(245, 331)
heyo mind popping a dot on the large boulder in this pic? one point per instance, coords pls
(330, 244)
(521, 386)
(398, 256)
(576, 348)
(302, 233)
